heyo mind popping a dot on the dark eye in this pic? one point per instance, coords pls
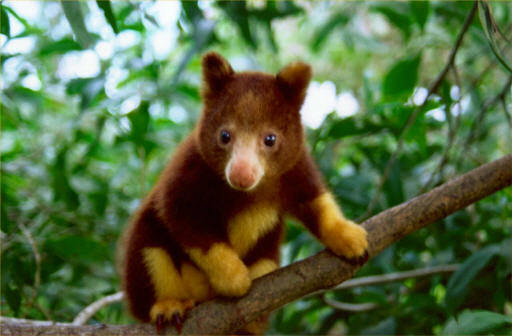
(270, 140)
(225, 137)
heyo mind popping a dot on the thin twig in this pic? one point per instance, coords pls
(397, 276)
(390, 277)
(506, 112)
(94, 307)
(486, 106)
(452, 129)
(459, 100)
(434, 86)
(351, 307)
(383, 279)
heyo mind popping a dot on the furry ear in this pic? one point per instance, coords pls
(216, 72)
(294, 79)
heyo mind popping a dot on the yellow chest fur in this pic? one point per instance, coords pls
(248, 226)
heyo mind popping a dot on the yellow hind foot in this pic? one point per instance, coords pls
(170, 311)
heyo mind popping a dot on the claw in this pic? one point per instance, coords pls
(358, 260)
(160, 323)
(177, 321)
(364, 258)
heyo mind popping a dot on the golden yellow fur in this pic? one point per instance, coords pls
(339, 234)
(227, 273)
(164, 275)
(196, 282)
(246, 228)
(169, 307)
(261, 267)
(174, 293)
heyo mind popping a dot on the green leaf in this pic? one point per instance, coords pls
(141, 125)
(349, 126)
(77, 248)
(125, 11)
(417, 134)
(191, 10)
(393, 188)
(60, 180)
(472, 322)
(237, 12)
(384, 327)
(189, 91)
(338, 19)
(5, 28)
(100, 199)
(75, 17)
(420, 11)
(203, 36)
(397, 14)
(28, 28)
(88, 88)
(28, 95)
(109, 14)
(275, 9)
(457, 286)
(402, 77)
(342, 128)
(148, 72)
(13, 298)
(59, 47)
(139, 121)
(270, 36)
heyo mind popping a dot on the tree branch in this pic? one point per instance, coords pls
(321, 271)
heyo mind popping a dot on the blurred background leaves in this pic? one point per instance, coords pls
(97, 94)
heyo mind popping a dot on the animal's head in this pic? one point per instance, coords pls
(250, 130)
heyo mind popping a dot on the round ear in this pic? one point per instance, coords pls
(294, 79)
(216, 72)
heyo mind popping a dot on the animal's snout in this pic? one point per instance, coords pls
(242, 174)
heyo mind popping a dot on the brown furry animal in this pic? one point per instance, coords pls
(214, 221)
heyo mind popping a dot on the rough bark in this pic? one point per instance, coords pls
(321, 271)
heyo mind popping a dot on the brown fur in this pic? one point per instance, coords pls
(193, 225)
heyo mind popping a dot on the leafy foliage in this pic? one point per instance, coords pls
(475, 323)
(81, 147)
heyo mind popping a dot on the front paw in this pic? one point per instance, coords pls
(232, 279)
(346, 239)
(226, 272)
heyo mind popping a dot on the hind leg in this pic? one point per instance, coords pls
(175, 291)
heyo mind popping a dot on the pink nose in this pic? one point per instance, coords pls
(242, 175)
